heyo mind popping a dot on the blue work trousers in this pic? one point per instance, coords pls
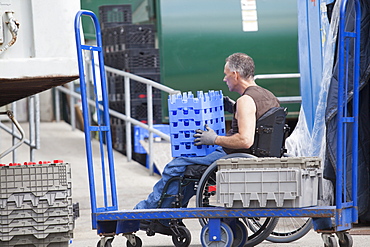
(176, 168)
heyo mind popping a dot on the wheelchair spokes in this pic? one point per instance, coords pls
(290, 229)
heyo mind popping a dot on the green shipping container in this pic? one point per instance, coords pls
(195, 37)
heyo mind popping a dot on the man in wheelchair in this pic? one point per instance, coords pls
(253, 103)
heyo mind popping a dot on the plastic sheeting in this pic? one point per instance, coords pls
(322, 140)
(297, 142)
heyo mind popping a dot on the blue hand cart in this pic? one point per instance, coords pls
(109, 221)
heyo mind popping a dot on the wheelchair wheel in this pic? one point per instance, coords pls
(290, 229)
(240, 234)
(182, 238)
(261, 227)
(206, 197)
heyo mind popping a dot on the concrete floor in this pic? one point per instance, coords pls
(133, 185)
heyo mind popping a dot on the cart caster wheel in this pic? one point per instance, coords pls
(329, 240)
(182, 237)
(345, 239)
(240, 234)
(138, 242)
(108, 242)
(227, 237)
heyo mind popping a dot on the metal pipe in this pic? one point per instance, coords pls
(277, 76)
(89, 81)
(119, 115)
(57, 105)
(15, 135)
(15, 145)
(72, 107)
(31, 121)
(13, 26)
(34, 128)
(14, 153)
(37, 121)
(288, 99)
(340, 113)
(356, 96)
(86, 119)
(143, 80)
(128, 115)
(150, 124)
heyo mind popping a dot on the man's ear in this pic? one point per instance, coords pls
(236, 75)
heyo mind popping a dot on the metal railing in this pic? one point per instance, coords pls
(18, 138)
(127, 116)
(287, 99)
(34, 112)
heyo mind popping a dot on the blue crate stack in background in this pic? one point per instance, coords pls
(188, 113)
(143, 134)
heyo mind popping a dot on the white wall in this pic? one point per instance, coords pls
(45, 45)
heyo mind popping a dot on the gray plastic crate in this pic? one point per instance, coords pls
(49, 197)
(35, 200)
(284, 162)
(7, 207)
(35, 213)
(38, 179)
(288, 182)
(51, 240)
(38, 231)
(36, 221)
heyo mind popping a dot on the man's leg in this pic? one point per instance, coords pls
(176, 168)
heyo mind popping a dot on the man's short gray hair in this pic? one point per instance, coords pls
(241, 63)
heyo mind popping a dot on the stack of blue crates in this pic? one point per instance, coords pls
(187, 113)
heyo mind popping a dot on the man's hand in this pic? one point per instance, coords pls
(205, 137)
(228, 104)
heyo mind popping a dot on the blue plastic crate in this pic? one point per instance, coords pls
(141, 134)
(186, 136)
(182, 136)
(204, 101)
(154, 166)
(188, 113)
(187, 149)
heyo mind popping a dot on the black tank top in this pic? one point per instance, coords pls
(264, 101)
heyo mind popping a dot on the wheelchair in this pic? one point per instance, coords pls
(270, 135)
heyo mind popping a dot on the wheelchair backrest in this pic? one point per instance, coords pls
(271, 132)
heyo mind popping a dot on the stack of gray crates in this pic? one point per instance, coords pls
(288, 182)
(36, 205)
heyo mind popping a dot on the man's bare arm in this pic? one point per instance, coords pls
(246, 116)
